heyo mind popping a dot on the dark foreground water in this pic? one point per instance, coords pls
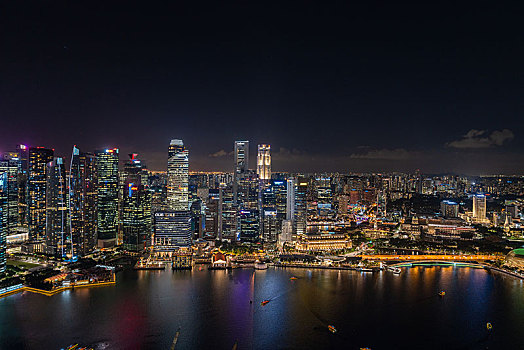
(213, 310)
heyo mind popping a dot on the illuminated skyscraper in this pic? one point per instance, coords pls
(290, 200)
(241, 166)
(264, 162)
(177, 176)
(57, 232)
(10, 168)
(300, 213)
(449, 209)
(38, 159)
(249, 225)
(82, 202)
(479, 207)
(23, 209)
(107, 196)
(136, 206)
(229, 214)
(172, 232)
(3, 221)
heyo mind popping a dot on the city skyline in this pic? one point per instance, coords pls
(222, 161)
(365, 88)
(261, 175)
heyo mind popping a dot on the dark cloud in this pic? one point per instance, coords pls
(480, 139)
(220, 154)
(386, 154)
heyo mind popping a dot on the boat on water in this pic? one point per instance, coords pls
(260, 265)
(365, 269)
(395, 270)
(332, 329)
(441, 293)
(77, 347)
(264, 302)
(293, 278)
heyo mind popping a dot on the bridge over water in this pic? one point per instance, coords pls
(432, 257)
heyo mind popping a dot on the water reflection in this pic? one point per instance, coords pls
(215, 309)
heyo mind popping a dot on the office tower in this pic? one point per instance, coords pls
(287, 232)
(136, 205)
(249, 225)
(248, 191)
(273, 209)
(212, 214)
(9, 166)
(449, 209)
(241, 165)
(229, 214)
(82, 202)
(172, 232)
(177, 176)
(158, 189)
(3, 221)
(479, 207)
(324, 196)
(264, 162)
(107, 196)
(290, 200)
(198, 218)
(23, 159)
(270, 224)
(300, 218)
(39, 157)
(279, 187)
(58, 241)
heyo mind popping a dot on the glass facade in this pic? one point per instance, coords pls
(177, 176)
(107, 196)
(38, 159)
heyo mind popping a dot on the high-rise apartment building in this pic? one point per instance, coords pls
(449, 209)
(177, 176)
(39, 157)
(107, 196)
(479, 207)
(264, 162)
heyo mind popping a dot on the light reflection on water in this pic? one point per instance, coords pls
(213, 310)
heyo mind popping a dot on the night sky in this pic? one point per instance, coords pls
(373, 87)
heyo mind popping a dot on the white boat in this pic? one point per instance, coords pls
(260, 265)
(395, 270)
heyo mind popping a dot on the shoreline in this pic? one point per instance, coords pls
(57, 290)
(343, 268)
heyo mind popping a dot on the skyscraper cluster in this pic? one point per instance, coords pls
(68, 207)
